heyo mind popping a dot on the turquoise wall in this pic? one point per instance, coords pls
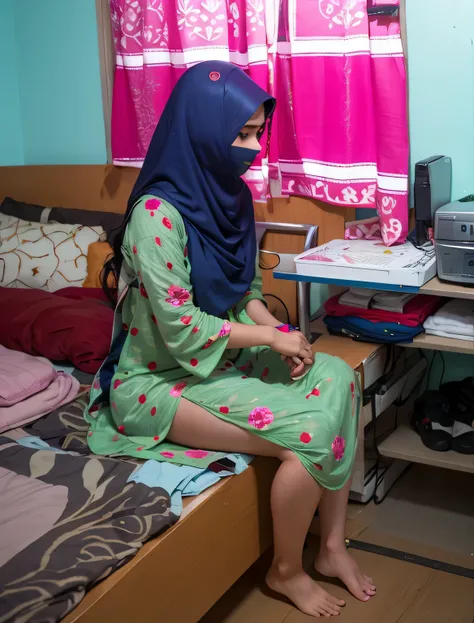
(441, 82)
(55, 73)
(11, 139)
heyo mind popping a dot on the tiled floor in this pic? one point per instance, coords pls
(430, 513)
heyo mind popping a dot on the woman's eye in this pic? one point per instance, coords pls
(243, 136)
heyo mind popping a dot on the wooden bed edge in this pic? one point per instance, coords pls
(186, 570)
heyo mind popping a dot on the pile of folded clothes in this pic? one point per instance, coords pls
(455, 320)
(30, 387)
(380, 317)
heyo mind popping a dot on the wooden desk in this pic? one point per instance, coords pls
(404, 443)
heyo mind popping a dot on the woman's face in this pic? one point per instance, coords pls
(250, 135)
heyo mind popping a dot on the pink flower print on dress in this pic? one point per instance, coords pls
(167, 223)
(338, 446)
(143, 291)
(225, 329)
(177, 296)
(196, 454)
(152, 205)
(260, 417)
(314, 392)
(177, 390)
(167, 455)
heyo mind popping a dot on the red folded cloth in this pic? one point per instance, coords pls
(59, 328)
(415, 312)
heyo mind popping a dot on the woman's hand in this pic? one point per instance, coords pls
(292, 344)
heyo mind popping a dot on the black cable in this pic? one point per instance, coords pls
(284, 306)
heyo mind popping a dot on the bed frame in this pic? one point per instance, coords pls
(228, 527)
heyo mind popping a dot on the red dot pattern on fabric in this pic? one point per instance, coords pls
(93, 409)
(115, 438)
(134, 331)
(140, 448)
(195, 329)
(194, 362)
(153, 411)
(125, 327)
(167, 223)
(158, 241)
(117, 383)
(186, 319)
(156, 438)
(153, 318)
(245, 377)
(224, 410)
(185, 251)
(318, 467)
(169, 265)
(265, 372)
(121, 429)
(305, 437)
(152, 366)
(142, 399)
(134, 249)
(89, 434)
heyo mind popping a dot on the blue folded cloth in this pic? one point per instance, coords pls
(363, 330)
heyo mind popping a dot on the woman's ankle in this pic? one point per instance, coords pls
(285, 569)
(332, 545)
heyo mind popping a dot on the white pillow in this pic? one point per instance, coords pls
(47, 257)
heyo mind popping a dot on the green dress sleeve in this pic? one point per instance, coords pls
(155, 245)
(255, 292)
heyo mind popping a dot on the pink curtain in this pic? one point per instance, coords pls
(341, 130)
(340, 133)
(156, 41)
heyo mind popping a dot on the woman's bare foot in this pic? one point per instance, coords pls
(304, 592)
(337, 563)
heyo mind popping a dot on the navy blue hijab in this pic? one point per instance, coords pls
(189, 164)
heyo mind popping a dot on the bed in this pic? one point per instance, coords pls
(223, 531)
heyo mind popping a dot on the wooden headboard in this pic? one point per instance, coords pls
(107, 188)
(86, 187)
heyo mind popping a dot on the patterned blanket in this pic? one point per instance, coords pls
(67, 518)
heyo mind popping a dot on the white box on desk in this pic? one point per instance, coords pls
(368, 261)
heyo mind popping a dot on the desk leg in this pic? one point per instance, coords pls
(303, 290)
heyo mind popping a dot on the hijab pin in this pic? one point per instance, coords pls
(214, 76)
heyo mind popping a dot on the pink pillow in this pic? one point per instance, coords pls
(22, 376)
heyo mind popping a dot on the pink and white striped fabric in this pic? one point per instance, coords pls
(340, 132)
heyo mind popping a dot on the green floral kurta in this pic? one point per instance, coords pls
(174, 350)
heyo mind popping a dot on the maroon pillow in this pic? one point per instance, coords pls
(56, 327)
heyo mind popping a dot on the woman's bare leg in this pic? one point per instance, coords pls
(294, 498)
(333, 559)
